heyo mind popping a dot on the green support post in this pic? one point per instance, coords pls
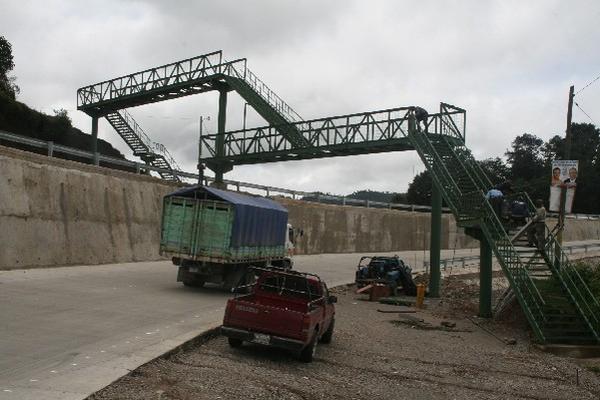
(435, 242)
(485, 278)
(94, 146)
(220, 142)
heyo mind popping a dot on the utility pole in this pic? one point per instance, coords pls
(200, 165)
(567, 156)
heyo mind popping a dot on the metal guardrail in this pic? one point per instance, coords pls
(347, 201)
(576, 216)
(51, 147)
(468, 261)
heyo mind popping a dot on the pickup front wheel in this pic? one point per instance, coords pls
(307, 353)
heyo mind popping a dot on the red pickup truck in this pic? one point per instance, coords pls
(286, 309)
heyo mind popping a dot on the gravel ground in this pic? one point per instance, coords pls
(373, 356)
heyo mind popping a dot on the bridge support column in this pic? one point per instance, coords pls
(485, 278)
(220, 144)
(94, 144)
(435, 242)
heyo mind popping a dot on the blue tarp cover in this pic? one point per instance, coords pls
(257, 221)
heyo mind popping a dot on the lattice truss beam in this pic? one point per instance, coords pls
(362, 133)
(182, 78)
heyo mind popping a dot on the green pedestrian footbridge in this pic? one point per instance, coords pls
(555, 299)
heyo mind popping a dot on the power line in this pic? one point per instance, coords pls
(587, 115)
(589, 84)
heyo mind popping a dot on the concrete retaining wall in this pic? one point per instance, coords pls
(58, 212)
(347, 229)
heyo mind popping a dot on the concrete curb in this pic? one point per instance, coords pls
(189, 344)
(197, 340)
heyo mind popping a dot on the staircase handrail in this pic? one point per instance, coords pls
(449, 176)
(239, 69)
(153, 147)
(497, 236)
(444, 111)
(480, 174)
(552, 251)
(475, 178)
(587, 304)
(522, 275)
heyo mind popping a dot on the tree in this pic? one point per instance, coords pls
(495, 169)
(7, 83)
(585, 145)
(528, 170)
(373, 195)
(62, 119)
(400, 198)
(526, 158)
(419, 190)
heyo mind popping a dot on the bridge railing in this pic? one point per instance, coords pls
(153, 78)
(344, 130)
(339, 130)
(239, 69)
(177, 74)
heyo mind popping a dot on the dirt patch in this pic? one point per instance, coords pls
(373, 356)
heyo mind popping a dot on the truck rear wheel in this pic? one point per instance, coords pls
(307, 354)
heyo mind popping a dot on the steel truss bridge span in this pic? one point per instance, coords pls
(352, 134)
(182, 78)
(195, 75)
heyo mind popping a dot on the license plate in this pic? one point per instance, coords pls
(261, 338)
(193, 269)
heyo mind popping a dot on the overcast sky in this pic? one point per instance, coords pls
(508, 63)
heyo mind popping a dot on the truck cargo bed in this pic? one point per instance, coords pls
(222, 227)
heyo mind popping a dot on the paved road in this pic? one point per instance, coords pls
(67, 332)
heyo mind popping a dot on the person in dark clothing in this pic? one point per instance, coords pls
(421, 115)
(505, 187)
(495, 197)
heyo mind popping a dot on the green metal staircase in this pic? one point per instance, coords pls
(266, 103)
(154, 154)
(556, 301)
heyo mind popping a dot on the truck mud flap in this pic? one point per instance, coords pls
(234, 276)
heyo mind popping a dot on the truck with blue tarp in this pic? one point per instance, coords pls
(215, 235)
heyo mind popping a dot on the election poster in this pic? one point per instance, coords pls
(564, 176)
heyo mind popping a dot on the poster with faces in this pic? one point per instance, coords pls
(564, 176)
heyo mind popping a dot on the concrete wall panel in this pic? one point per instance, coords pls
(59, 212)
